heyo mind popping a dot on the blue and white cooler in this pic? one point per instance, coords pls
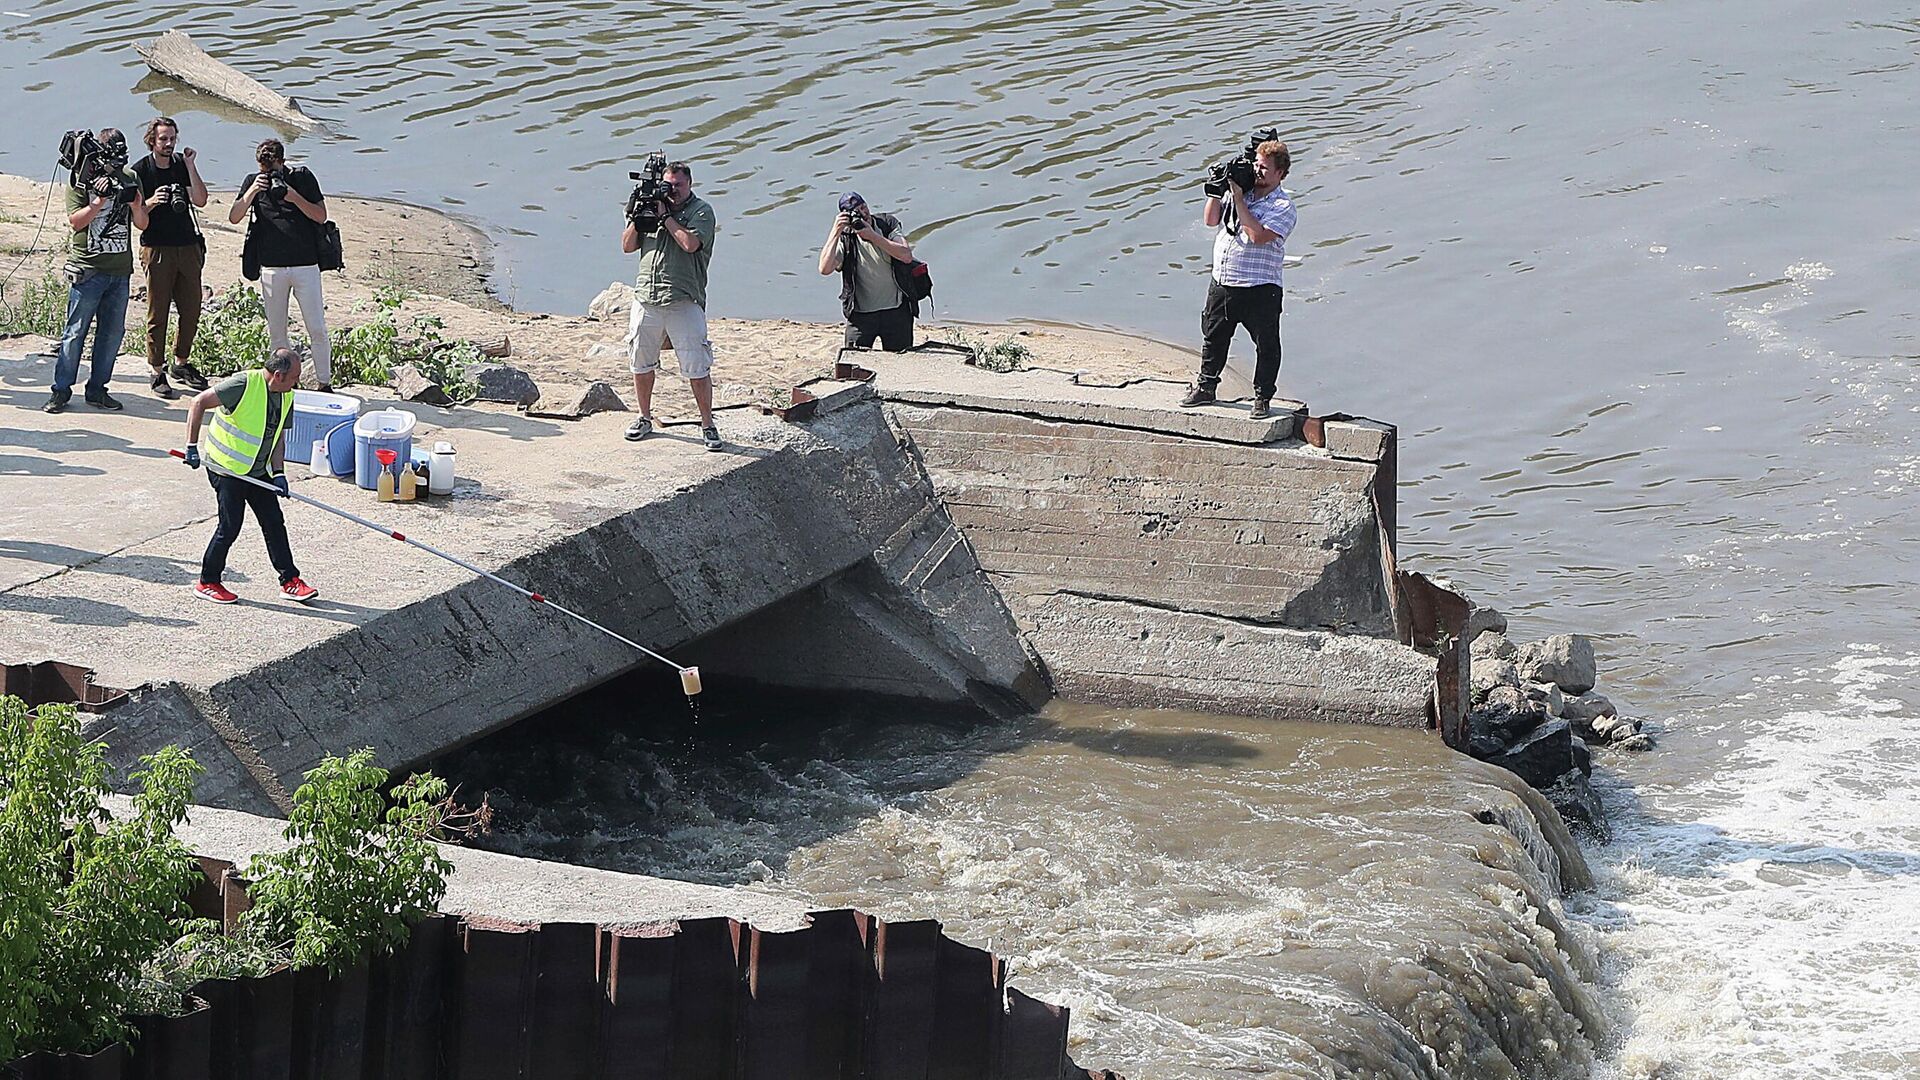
(381, 429)
(319, 416)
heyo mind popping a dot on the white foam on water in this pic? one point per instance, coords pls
(1774, 934)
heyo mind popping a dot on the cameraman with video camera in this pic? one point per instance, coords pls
(673, 230)
(284, 239)
(863, 246)
(1253, 215)
(172, 250)
(103, 205)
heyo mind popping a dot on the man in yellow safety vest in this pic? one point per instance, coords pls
(247, 438)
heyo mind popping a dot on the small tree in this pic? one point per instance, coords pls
(360, 873)
(85, 899)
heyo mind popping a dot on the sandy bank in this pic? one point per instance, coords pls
(447, 263)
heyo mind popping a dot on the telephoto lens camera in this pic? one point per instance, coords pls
(1239, 170)
(87, 159)
(277, 182)
(652, 189)
(856, 220)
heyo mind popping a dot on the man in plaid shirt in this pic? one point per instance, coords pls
(1245, 290)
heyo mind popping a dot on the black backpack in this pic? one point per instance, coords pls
(914, 279)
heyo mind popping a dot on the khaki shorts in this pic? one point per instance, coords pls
(685, 322)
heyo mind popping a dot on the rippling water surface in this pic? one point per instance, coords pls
(1635, 279)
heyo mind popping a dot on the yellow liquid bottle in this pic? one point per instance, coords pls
(383, 489)
(409, 485)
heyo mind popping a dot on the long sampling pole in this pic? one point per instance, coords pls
(689, 676)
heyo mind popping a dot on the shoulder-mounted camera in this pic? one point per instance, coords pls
(1238, 171)
(652, 190)
(87, 159)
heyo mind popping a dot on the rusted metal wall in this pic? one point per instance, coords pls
(848, 997)
(1435, 619)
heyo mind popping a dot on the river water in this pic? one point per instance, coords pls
(1635, 279)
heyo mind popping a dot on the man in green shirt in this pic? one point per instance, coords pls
(99, 268)
(670, 301)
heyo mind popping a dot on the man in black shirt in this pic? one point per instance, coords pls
(171, 250)
(287, 211)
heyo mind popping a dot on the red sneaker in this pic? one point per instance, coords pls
(298, 590)
(214, 591)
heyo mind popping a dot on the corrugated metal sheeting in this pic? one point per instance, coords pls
(848, 997)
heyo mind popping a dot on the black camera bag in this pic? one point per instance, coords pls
(332, 254)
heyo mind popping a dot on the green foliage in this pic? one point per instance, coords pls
(447, 361)
(368, 352)
(1001, 356)
(232, 337)
(35, 306)
(200, 953)
(359, 873)
(85, 899)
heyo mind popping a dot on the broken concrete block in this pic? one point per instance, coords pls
(1358, 439)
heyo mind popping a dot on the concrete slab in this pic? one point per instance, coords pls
(661, 540)
(1358, 439)
(105, 531)
(84, 485)
(514, 888)
(938, 379)
(1134, 655)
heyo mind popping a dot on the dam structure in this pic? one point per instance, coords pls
(939, 533)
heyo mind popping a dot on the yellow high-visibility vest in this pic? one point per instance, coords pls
(233, 439)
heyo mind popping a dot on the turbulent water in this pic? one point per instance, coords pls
(1209, 895)
(1634, 278)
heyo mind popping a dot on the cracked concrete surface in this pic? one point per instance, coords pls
(404, 653)
(964, 537)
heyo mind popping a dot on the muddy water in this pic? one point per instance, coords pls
(1635, 279)
(1210, 895)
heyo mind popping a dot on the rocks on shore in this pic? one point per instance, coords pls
(504, 383)
(410, 385)
(1535, 712)
(576, 402)
(613, 302)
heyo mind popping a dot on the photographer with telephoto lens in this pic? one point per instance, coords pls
(288, 209)
(172, 250)
(1253, 216)
(863, 247)
(103, 204)
(670, 293)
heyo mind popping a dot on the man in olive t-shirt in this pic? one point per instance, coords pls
(99, 270)
(670, 302)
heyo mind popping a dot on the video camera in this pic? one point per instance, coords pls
(88, 159)
(1238, 171)
(643, 206)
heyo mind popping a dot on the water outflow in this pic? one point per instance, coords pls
(1209, 894)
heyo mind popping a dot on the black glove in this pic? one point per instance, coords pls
(280, 482)
(193, 457)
